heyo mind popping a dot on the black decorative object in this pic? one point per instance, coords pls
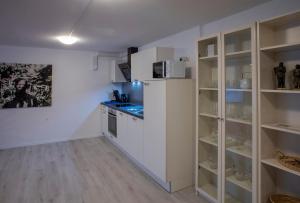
(296, 77)
(280, 76)
(25, 85)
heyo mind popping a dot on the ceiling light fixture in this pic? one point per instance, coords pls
(69, 39)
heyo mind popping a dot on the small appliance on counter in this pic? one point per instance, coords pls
(124, 98)
(169, 69)
(116, 96)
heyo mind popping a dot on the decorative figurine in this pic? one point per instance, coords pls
(296, 75)
(280, 75)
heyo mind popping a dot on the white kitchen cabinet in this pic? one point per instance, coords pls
(141, 62)
(115, 72)
(135, 138)
(122, 130)
(104, 120)
(155, 128)
(168, 131)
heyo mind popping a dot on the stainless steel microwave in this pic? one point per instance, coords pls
(169, 69)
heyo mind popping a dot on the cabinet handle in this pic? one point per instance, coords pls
(146, 83)
(133, 118)
(121, 114)
(219, 118)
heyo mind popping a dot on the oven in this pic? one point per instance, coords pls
(112, 122)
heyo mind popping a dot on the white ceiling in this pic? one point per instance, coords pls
(108, 25)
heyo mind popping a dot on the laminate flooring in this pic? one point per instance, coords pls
(81, 171)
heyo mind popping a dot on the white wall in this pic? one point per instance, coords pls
(185, 42)
(77, 92)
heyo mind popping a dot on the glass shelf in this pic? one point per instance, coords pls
(246, 185)
(209, 140)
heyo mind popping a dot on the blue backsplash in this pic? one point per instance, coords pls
(135, 91)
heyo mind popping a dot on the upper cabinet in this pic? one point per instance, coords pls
(141, 62)
(115, 72)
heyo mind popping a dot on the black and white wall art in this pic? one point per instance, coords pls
(25, 85)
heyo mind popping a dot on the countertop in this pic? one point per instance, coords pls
(128, 108)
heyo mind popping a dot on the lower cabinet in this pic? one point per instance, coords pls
(135, 138)
(122, 130)
(130, 135)
(104, 120)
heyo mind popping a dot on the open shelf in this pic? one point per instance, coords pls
(282, 47)
(208, 140)
(240, 150)
(274, 163)
(282, 128)
(277, 181)
(205, 165)
(246, 185)
(280, 91)
(280, 111)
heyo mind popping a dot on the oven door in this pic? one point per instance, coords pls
(159, 69)
(112, 124)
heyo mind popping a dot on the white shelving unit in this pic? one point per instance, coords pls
(226, 118)
(279, 109)
(208, 155)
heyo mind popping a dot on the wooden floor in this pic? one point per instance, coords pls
(81, 171)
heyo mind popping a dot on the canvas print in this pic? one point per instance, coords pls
(25, 85)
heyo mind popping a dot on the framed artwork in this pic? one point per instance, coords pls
(25, 85)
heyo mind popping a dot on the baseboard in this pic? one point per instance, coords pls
(165, 185)
(27, 144)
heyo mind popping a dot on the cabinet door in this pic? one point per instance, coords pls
(136, 66)
(122, 130)
(104, 121)
(116, 74)
(155, 127)
(141, 64)
(239, 110)
(209, 124)
(135, 138)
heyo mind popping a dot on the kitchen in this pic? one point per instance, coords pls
(141, 127)
(149, 101)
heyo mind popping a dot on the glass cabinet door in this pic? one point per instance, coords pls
(239, 73)
(208, 180)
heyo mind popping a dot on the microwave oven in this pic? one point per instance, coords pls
(169, 69)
